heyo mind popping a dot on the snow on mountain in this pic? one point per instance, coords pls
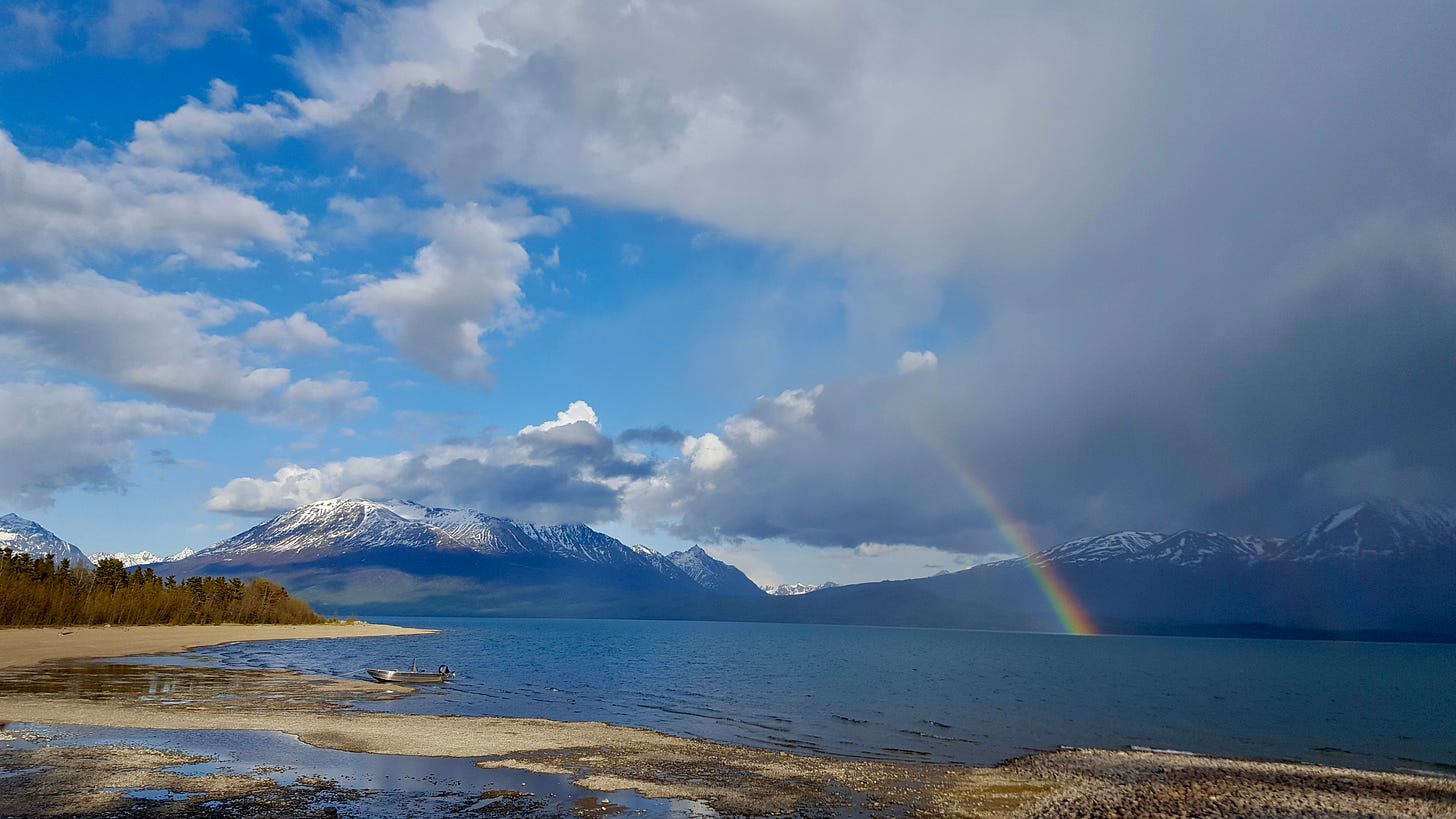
(337, 525)
(348, 525)
(128, 559)
(142, 558)
(1185, 548)
(712, 573)
(28, 537)
(1189, 548)
(582, 543)
(1099, 548)
(492, 535)
(1382, 528)
(787, 589)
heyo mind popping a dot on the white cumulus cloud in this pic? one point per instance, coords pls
(463, 284)
(53, 213)
(290, 335)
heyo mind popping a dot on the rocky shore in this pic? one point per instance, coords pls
(1097, 784)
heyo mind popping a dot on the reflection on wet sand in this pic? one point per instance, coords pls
(191, 686)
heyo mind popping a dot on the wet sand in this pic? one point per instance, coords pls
(732, 780)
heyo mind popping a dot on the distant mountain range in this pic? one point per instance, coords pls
(784, 589)
(142, 558)
(1378, 570)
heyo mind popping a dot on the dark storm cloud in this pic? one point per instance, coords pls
(1262, 330)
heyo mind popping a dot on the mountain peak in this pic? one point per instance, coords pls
(25, 536)
(712, 573)
(1379, 527)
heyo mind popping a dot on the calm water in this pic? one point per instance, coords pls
(893, 693)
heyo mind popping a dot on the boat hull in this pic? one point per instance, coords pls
(390, 675)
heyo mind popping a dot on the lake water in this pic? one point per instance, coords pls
(925, 694)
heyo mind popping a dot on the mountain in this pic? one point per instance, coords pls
(1378, 570)
(1375, 530)
(143, 558)
(785, 589)
(28, 537)
(128, 559)
(405, 557)
(713, 574)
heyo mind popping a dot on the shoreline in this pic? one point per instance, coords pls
(27, 646)
(603, 757)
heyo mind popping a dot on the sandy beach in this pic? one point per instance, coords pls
(43, 689)
(21, 647)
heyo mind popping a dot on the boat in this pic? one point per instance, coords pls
(414, 675)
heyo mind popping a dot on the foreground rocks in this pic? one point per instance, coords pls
(1092, 784)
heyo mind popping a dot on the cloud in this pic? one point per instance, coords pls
(463, 284)
(1177, 272)
(1256, 412)
(150, 28)
(54, 214)
(202, 132)
(55, 438)
(630, 255)
(912, 361)
(155, 343)
(30, 32)
(661, 434)
(362, 218)
(311, 402)
(290, 335)
(560, 471)
(164, 457)
(913, 137)
(163, 345)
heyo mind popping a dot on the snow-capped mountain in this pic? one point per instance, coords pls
(1378, 570)
(333, 549)
(1375, 529)
(1125, 545)
(142, 558)
(787, 589)
(1185, 548)
(128, 559)
(488, 534)
(24, 536)
(1189, 548)
(328, 528)
(712, 573)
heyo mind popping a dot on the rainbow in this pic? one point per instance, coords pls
(1069, 611)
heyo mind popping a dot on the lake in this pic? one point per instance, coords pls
(924, 694)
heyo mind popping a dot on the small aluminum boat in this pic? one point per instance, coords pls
(412, 676)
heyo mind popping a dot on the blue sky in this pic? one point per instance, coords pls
(766, 277)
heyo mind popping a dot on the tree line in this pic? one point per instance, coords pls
(36, 591)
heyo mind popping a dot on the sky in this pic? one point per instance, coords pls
(838, 290)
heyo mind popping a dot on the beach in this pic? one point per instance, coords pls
(47, 684)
